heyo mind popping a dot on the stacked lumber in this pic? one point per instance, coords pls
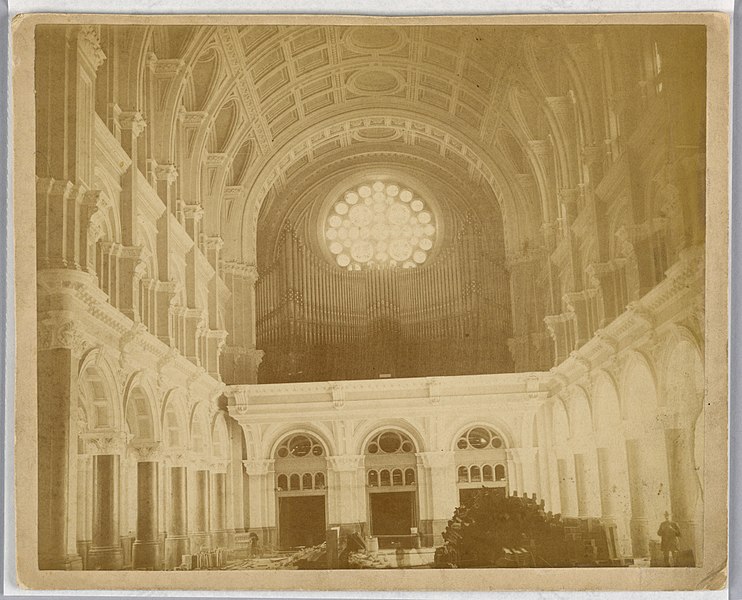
(492, 530)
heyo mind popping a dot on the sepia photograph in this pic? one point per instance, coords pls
(371, 303)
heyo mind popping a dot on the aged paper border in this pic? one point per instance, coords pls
(713, 573)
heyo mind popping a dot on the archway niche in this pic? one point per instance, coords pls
(301, 490)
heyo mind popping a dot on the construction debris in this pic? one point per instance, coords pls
(313, 557)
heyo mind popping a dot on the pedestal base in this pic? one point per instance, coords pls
(109, 558)
(146, 555)
(83, 547)
(640, 537)
(175, 548)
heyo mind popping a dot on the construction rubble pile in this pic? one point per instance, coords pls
(314, 557)
(493, 530)
(370, 560)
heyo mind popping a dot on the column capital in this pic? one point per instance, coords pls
(88, 43)
(193, 211)
(212, 242)
(62, 333)
(134, 121)
(258, 466)
(177, 457)
(167, 173)
(346, 463)
(145, 451)
(104, 442)
(219, 465)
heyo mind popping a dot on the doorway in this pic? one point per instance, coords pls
(392, 513)
(301, 521)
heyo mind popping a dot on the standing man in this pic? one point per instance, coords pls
(669, 533)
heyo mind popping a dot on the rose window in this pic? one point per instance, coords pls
(380, 224)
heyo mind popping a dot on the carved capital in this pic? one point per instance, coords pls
(56, 333)
(213, 242)
(193, 211)
(133, 121)
(178, 457)
(167, 173)
(145, 451)
(258, 466)
(104, 442)
(219, 465)
(88, 43)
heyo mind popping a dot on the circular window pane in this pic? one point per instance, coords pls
(300, 446)
(389, 442)
(317, 450)
(479, 438)
(378, 211)
(373, 448)
(407, 447)
(462, 444)
(496, 442)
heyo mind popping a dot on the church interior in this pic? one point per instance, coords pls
(309, 278)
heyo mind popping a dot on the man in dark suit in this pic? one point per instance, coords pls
(669, 533)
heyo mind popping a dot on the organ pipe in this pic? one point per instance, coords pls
(303, 302)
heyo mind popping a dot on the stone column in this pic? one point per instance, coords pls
(684, 482)
(165, 287)
(514, 479)
(525, 460)
(146, 549)
(639, 524)
(105, 552)
(176, 540)
(57, 443)
(567, 487)
(84, 506)
(613, 493)
(236, 508)
(200, 514)
(346, 493)
(219, 532)
(438, 482)
(261, 498)
(67, 59)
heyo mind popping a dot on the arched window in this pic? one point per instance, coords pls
(390, 442)
(294, 482)
(487, 474)
(463, 475)
(480, 438)
(300, 445)
(409, 477)
(319, 481)
(306, 481)
(397, 477)
(476, 474)
(373, 478)
(385, 478)
(282, 483)
(499, 472)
